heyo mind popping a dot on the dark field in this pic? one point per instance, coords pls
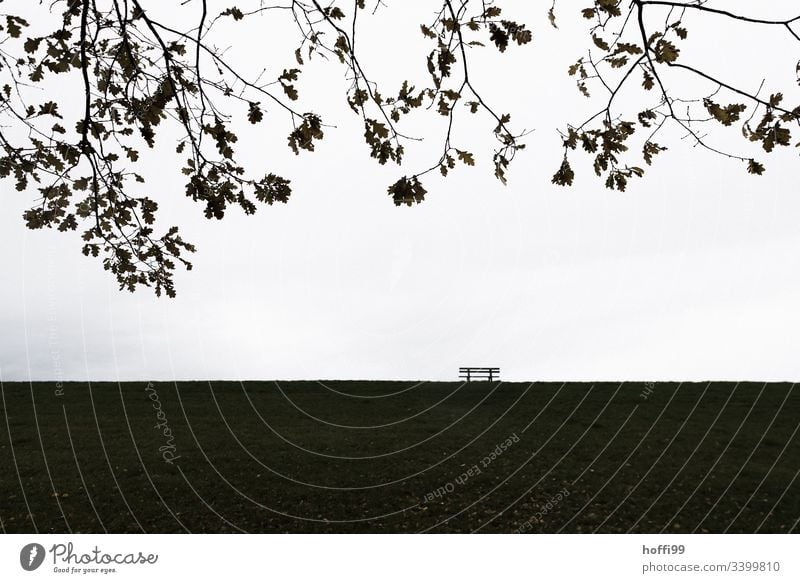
(400, 457)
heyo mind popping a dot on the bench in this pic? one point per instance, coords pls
(478, 373)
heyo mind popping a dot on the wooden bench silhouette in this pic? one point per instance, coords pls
(471, 373)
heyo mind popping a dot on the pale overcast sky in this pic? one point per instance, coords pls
(694, 273)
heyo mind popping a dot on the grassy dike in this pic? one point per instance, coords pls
(399, 457)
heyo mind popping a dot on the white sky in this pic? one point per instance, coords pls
(694, 273)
